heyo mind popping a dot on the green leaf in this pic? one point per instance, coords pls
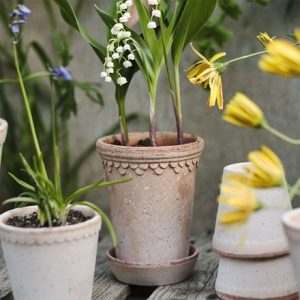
(91, 90)
(69, 16)
(20, 200)
(41, 53)
(104, 218)
(93, 186)
(231, 8)
(189, 22)
(144, 17)
(21, 182)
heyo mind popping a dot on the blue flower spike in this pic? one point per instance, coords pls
(61, 73)
(18, 17)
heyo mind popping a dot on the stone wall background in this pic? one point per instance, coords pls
(224, 143)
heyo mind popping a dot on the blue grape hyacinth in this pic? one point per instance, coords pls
(19, 17)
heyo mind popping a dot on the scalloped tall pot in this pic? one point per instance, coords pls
(50, 263)
(152, 214)
(3, 132)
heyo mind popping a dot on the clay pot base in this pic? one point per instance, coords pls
(230, 297)
(152, 274)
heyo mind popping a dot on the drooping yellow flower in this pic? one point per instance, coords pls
(241, 199)
(242, 111)
(208, 73)
(265, 39)
(297, 34)
(265, 171)
(282, 58)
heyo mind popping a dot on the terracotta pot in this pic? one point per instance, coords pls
(291, 223)
(262, 235)
(152, 214)
(50, 263)
(271, 278)
(3, 132)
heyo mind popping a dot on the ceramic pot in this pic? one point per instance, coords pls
(291, 223)
(50, 263)
(3, 132)
(152, 214)
(271, 278)
(262, 235)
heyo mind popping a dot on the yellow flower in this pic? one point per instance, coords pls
(243, 112)
(241, 198)
(208, 73)
(297, 33)
(265, 39)
(266, 170)
(282, 58)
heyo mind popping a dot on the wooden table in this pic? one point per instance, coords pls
(199, 287)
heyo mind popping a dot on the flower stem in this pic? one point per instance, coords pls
(178, 112)
(295, 189)
(152, 135)
(280, 135)
(123, 122)
(244, 57)
(28, 112)
(172, 87)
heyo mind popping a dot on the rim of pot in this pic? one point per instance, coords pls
(3, 130)
(237, 167)
(44, 230)
(291, 219)
(190, 141)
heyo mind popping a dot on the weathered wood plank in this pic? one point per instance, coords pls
(4, 282)
(106, 287)
(201, 284)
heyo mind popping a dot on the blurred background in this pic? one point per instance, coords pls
(87, 109)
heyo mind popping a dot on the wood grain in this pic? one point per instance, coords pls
(201, 284)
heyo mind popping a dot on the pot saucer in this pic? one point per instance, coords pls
(152, 274)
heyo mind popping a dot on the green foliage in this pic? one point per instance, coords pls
(18, 139)
(214, 33)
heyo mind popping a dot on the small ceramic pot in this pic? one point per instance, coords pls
(3, 132)
(50, 263)
(271, 278)
(291, 223)
(152, 214)
(262, 235)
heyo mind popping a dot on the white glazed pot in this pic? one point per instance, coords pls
(291, 223)
(271, 278)
(3, 132)
(262, 235)
(51, 263)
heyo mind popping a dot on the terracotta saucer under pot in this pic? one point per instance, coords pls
(152, 274)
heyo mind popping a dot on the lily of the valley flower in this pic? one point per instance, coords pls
(208, 73)
(282, 58)
(265, 39)
(265, 171)
(242, 111)
(156, 13)
(241, 199)
(119, 49)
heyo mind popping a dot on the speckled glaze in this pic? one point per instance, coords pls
(152, 274)
(50, 263)
(3, 133)
(152, 214)
(271, 278)
(291, 223)
(262, 235)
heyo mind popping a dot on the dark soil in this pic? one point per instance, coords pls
(141, 143)
(31, 220)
